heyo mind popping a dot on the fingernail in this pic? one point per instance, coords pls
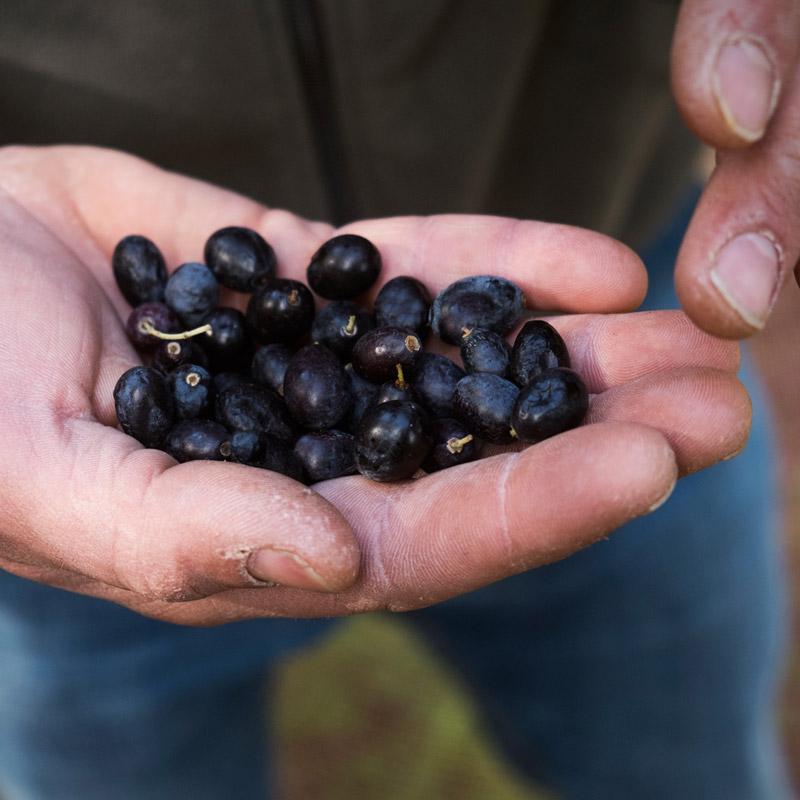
(746, 274)
(285, 568)
(745, 84)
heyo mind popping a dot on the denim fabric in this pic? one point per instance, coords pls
(642, 667)
(645, 666)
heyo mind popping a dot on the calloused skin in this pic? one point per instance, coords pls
(755, 187)
(89, 509)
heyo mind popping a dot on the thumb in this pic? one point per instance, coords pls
(730, 62)
(131, 518)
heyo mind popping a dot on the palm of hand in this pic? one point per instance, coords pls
(90, 510)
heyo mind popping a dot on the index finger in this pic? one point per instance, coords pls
(559, 267)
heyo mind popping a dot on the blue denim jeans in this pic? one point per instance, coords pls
(643, 667)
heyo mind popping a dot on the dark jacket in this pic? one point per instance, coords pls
(342, 109)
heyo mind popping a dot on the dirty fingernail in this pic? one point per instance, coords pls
(746, 275)
(285, 568)
(745, 84)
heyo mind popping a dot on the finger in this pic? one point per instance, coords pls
(558, 267)
(445, 534)
(609, 350)
(431, 539)
(705, 414)
(132, 518)
(731, 61)
(452, 532)
(743, 239)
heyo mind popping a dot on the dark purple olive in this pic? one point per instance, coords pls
(552, 402)
(483, 402)
(478, 301)
(227, 381)
(453, 444)
(315, 387)
(280, 311)
(537, 347)
(344, 267)
(192, 292)
(392, 441)
(398, 389)
(326, 454)
(228, 344)
(248, 447)
(403, 302)
(378, 353)
(485, 351)
(251, 407)
(435, 379)
(144, 405)
(240, 258)
(269, 365)
(139, 270)
(363, 394)
(198, 440)
(169, 355)
(192, 390)
(153, 315)
(280, 457)
(340, 325)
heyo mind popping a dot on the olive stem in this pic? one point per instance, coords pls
(400, 383)
(457, 445)
(147, 326)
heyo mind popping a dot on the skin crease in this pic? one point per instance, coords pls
(87, 508)
(755, 187)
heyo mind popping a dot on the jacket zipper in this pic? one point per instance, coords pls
(313, 64)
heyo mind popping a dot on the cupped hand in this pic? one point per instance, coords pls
(735, 79)
(89, 509)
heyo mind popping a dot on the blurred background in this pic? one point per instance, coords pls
(373, 714)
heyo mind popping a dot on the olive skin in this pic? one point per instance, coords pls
(192, 391)
(268, 366)
(197, 440)
(483, 402)
(250, 407)
(392, 441)
(435, 379)
(485, 351)
(240, 258)
(340, 325)
(537, 347)
(377, 354)
(144, 405)
(450, 447)
(555, 401)
(316, 388)
(192, 292)
(344, 267)
(169, 355)
(326, 454)
(159, 316)
(403, 302)
(478, 301)
(227, 345)
(139, 270)
(280, 311)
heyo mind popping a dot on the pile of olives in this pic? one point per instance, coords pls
(319, 394)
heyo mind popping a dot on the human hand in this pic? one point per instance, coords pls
(735, 79)
(87, 508)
